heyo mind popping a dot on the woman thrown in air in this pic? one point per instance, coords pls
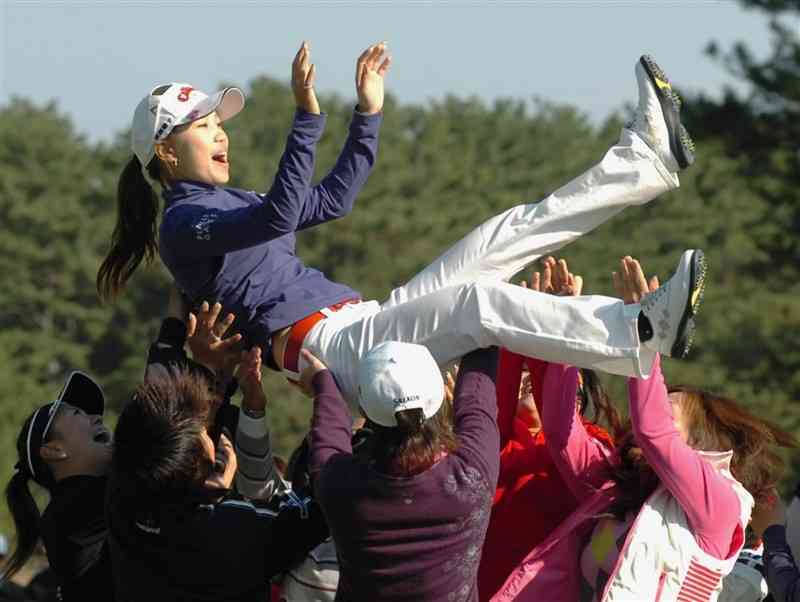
(238, 247)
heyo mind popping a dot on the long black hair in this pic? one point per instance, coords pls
(21, 504)
(134, 239)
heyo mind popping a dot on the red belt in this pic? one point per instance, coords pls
(298, 332)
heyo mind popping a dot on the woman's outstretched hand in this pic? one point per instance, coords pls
(372, 66)
(314, 365)
(631, 283)
(248, 374)
(303, 72)
(555, 279)
(207, 341)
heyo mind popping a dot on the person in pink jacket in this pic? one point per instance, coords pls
(663, 516)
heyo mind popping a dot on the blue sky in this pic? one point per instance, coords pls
(97, 59)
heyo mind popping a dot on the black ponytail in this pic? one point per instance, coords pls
(26, 519)
(134, 237)
(22, 505)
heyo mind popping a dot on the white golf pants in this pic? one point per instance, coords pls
(462, 300)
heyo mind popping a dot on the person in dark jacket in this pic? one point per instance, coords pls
(65, 448)
(780, 566)
(408, 514)
(177, 531)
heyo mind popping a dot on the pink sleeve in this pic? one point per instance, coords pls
(582, 460)
(707, 498)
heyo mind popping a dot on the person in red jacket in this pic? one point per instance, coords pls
(531, 498)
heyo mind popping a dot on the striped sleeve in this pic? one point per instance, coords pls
(256, 475)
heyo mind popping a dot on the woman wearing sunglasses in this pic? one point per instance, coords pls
(65, 448)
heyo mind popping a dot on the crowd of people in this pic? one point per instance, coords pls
(461, 446)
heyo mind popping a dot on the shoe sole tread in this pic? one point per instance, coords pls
(680, 143)
(685, 334)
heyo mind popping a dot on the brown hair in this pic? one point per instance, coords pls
(157, 442)
(715, 423)
(134, 239)
(414, 444)
(719, 423)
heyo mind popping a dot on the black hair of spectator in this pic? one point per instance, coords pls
(603, 409)
(21, 504)
(157, 442)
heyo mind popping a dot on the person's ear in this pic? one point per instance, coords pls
(53, 452)
(165, 151)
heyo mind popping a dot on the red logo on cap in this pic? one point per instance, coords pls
(184, 94)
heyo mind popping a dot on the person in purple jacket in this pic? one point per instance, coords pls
(238, 247)
(409, 514)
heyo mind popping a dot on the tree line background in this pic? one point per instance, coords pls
(443, 168)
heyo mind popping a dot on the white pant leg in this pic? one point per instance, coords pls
(629, 174)
(590, 331)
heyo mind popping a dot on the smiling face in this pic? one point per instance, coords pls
(197, 151)
(78, 443)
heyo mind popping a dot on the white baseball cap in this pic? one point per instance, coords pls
(171, 105)
(396, 376)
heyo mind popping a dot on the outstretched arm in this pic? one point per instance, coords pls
(582, 461)
(256, 476)
(708, 499)
(211, 227)
(331, 433)
(334, 196)
(711, 505)
(296, 166)
(475, 412)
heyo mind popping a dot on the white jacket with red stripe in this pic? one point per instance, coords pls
(661, 559)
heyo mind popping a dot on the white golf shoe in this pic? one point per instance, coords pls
(657, 118)
(671, 308)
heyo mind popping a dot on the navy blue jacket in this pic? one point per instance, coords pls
(238, 247)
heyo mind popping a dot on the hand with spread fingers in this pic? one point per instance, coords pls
(303, 73)
(372, 66)
(630, 282)
(248, 375)
(314, 365)
(555, 279)
(205, 334)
